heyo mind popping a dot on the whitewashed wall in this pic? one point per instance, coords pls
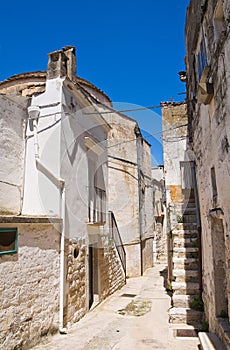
(12, 135)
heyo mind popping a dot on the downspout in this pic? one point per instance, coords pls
(62, 330)
(34, 113)
(138, 142)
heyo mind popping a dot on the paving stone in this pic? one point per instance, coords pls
(104, 328)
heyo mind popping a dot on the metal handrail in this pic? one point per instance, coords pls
(115, 234)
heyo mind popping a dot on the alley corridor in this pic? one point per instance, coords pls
(135, 317)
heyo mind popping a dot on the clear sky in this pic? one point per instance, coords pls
(132, 50)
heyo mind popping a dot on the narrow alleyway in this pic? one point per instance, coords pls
(135, 317)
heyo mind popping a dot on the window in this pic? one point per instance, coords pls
(205, 86)
(97, 193)
(8, 240)
(214, 187)
(202, 56)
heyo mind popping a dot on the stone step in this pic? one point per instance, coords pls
(187, 218)
(185, 288)
(185, 263)
(188, 205)
(190, 201)
(186, 226)
(185, 315)
(223, 330)
(183, 231)
(183, 301)
(182, 252)
(191, 208)
(182, 330)
(210, 341)
(182, 275)
(184, 212)
(185, 242)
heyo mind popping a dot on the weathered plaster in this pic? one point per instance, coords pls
(12, 134)
(30, 286)
(210, 135)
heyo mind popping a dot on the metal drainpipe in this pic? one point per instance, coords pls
(62, 330)
(34, 112)
(138, 143)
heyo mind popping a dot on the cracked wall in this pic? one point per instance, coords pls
(209, 135)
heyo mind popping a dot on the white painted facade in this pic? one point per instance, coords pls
(12, 136)
(54, 171)
(63, 131)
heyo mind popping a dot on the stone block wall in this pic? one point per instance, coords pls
(76, 286)
(29, 289)
(209, 135)
(111, 274)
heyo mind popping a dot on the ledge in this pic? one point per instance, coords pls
(223, 330)
(26, 219)
(210, 341)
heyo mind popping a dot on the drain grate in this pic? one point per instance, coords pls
(127, 295)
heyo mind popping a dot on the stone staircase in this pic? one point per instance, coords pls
(185, 284)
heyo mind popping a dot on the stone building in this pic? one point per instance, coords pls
(58, 252)
(208, 90)
(130, 190)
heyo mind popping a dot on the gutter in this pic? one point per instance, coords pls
(34, 113)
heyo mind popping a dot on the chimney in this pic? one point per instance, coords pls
(71, 63)
(62, 63)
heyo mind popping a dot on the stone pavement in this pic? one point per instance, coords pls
(112, 325)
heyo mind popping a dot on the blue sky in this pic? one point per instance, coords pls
(132, 50)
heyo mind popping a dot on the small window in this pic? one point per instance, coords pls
(214, 187)
(8, 240)
(202, 56)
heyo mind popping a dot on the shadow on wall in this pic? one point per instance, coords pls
(164, 274)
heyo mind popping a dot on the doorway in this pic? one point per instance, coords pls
(219, 267)
(93, 275)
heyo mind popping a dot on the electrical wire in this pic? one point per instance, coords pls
(150, 135)
(110, 108)
(90, 97)
(126, 110)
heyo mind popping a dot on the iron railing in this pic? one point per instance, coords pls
(115, 234)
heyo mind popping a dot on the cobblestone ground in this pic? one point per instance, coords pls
(135, 317)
